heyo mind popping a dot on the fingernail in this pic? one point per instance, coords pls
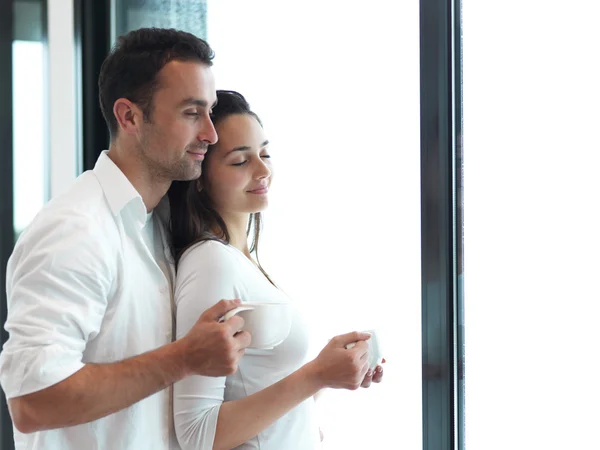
(379, 369)
(369, 373)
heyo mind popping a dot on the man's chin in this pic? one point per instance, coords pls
(192, 173)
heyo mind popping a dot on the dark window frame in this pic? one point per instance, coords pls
(441, 224)
(6, 188)
(92, 44)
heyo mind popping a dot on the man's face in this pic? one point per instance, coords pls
(173, 143)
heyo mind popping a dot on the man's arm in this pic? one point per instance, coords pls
(98, 390)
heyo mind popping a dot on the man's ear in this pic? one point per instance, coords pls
(128, 115)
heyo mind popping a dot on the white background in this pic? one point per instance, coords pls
(532, 242)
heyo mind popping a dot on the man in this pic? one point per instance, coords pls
(90, 319)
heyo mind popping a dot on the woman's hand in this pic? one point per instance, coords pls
(373, 376)
(341, 368)
(338, 367)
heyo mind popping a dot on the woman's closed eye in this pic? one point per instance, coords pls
(241, 163)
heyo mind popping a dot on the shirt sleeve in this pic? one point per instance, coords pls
(58, 282)
(205, 275)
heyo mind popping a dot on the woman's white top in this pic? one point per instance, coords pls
(207, 273)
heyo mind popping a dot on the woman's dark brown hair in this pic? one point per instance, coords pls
(194, 218)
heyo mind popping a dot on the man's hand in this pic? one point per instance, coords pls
(341, 368)
(214, 348)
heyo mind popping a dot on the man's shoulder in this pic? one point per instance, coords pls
(85, 196)
(83, 207)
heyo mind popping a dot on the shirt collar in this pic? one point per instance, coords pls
(118, 190)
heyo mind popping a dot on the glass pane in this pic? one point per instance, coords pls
(30, 159)
(336, 85)
(187, 15)
(532, 298)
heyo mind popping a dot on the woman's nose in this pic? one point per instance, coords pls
(263, 170)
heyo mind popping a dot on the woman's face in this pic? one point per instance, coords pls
(237, 170)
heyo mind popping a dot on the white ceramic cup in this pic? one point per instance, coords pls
(269, 324)
(375, 349)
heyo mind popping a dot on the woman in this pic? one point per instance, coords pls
(267, 403)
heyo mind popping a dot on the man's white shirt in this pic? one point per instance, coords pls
(84, 285)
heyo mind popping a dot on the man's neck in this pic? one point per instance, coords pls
(151, 189)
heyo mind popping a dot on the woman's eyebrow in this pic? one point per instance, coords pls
(245, 148)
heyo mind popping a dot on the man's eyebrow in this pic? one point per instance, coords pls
(245, 148)
(194, 102)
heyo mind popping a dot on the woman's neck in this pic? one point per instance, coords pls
(237, 225)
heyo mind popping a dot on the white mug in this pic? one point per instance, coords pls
(269, 324)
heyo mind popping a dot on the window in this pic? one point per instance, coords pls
(30, 158)
(336, 85)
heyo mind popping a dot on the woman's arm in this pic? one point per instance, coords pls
(335, 367)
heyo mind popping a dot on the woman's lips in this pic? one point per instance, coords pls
(260, 190)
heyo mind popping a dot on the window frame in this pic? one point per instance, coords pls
(441, 224)
(6, 188)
